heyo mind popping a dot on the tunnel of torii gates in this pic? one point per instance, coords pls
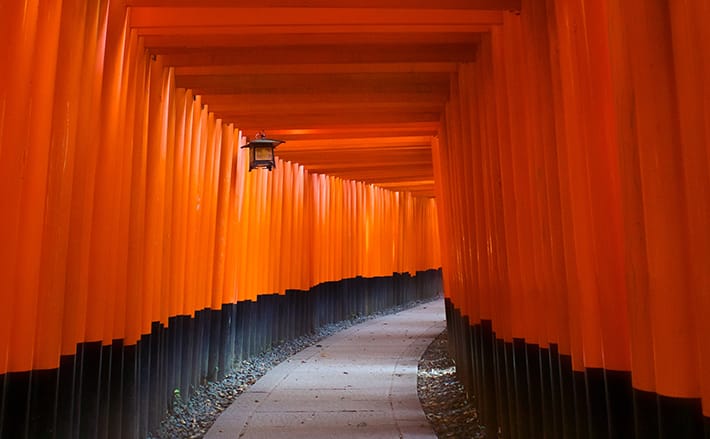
(556, 151)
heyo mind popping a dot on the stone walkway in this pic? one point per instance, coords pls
(359, 383)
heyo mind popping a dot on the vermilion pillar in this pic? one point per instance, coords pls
(600, 134)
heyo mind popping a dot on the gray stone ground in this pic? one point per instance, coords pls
(441, 394)
(192, 418)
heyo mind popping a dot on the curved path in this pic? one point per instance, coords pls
(358, 383)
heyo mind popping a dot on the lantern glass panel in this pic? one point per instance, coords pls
(264, 153)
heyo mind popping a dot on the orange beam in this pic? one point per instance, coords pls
(166, 16)
(161, 39)
(329, 120)
(265, 109)
(266, 69)
(408, 142)
(367, 132)
(321, 54)
(291, 98)
(271, 31)
(500, 5)
(273, 84)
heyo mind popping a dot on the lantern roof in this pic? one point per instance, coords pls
(261, 140)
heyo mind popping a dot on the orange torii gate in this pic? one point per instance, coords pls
(566, 142)
(573, 184)
(129, 216)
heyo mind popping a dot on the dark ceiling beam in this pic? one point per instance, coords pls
(358, 143)
(163, 42)
(351, 159)
(295, 121)
(367, 149)
(372, 168)
(294, 99)
(361, 53)
(380, 175)
(384, 175)
(355, 87)
(422, 184)
(274, 84)
(267, 108)
(417, 31)
(371, 131)
(266, 69)
(166, 16)
(335, 164)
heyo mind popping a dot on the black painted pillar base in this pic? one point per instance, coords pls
(524, 391)
(124, 391)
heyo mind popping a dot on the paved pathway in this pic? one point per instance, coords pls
(358, 383)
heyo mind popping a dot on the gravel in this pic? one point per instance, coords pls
(442, 395)
(192, 418)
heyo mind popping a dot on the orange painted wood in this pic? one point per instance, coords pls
(416, 4)
(348, 98)
(132, 129)
(160, 40)
(204, 206)
(194, 139)
(180, 178)
(156, 157)
(185, 114)
(347, 83)
(325, 54)
(472, 134)
(575, 181)
(606, 196)
(103, 267)
(558, 206)
(19, 22)
(442, 210)
(368, 132)
(248, 207)
(691, 61)
(637, 276)
(16, 91)
(210, 197)
(34, 145)
(221, 294)
(485, 106)
(521, 161)
(163, 302)
(538, 127)
(227, 17)
(665, 199)
(128, 202)
(169, 37)
(80, 229)
(168, 298)
(465, 275)
(513, 262)
(453, 272)
(61, 160)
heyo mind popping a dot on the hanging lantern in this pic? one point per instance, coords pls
(261, 152)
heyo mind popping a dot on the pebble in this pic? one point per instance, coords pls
(442, 395)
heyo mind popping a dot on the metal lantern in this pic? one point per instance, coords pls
(261, 152)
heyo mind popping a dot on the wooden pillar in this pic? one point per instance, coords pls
(55, 235)
(691, 62)
(652, 64)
